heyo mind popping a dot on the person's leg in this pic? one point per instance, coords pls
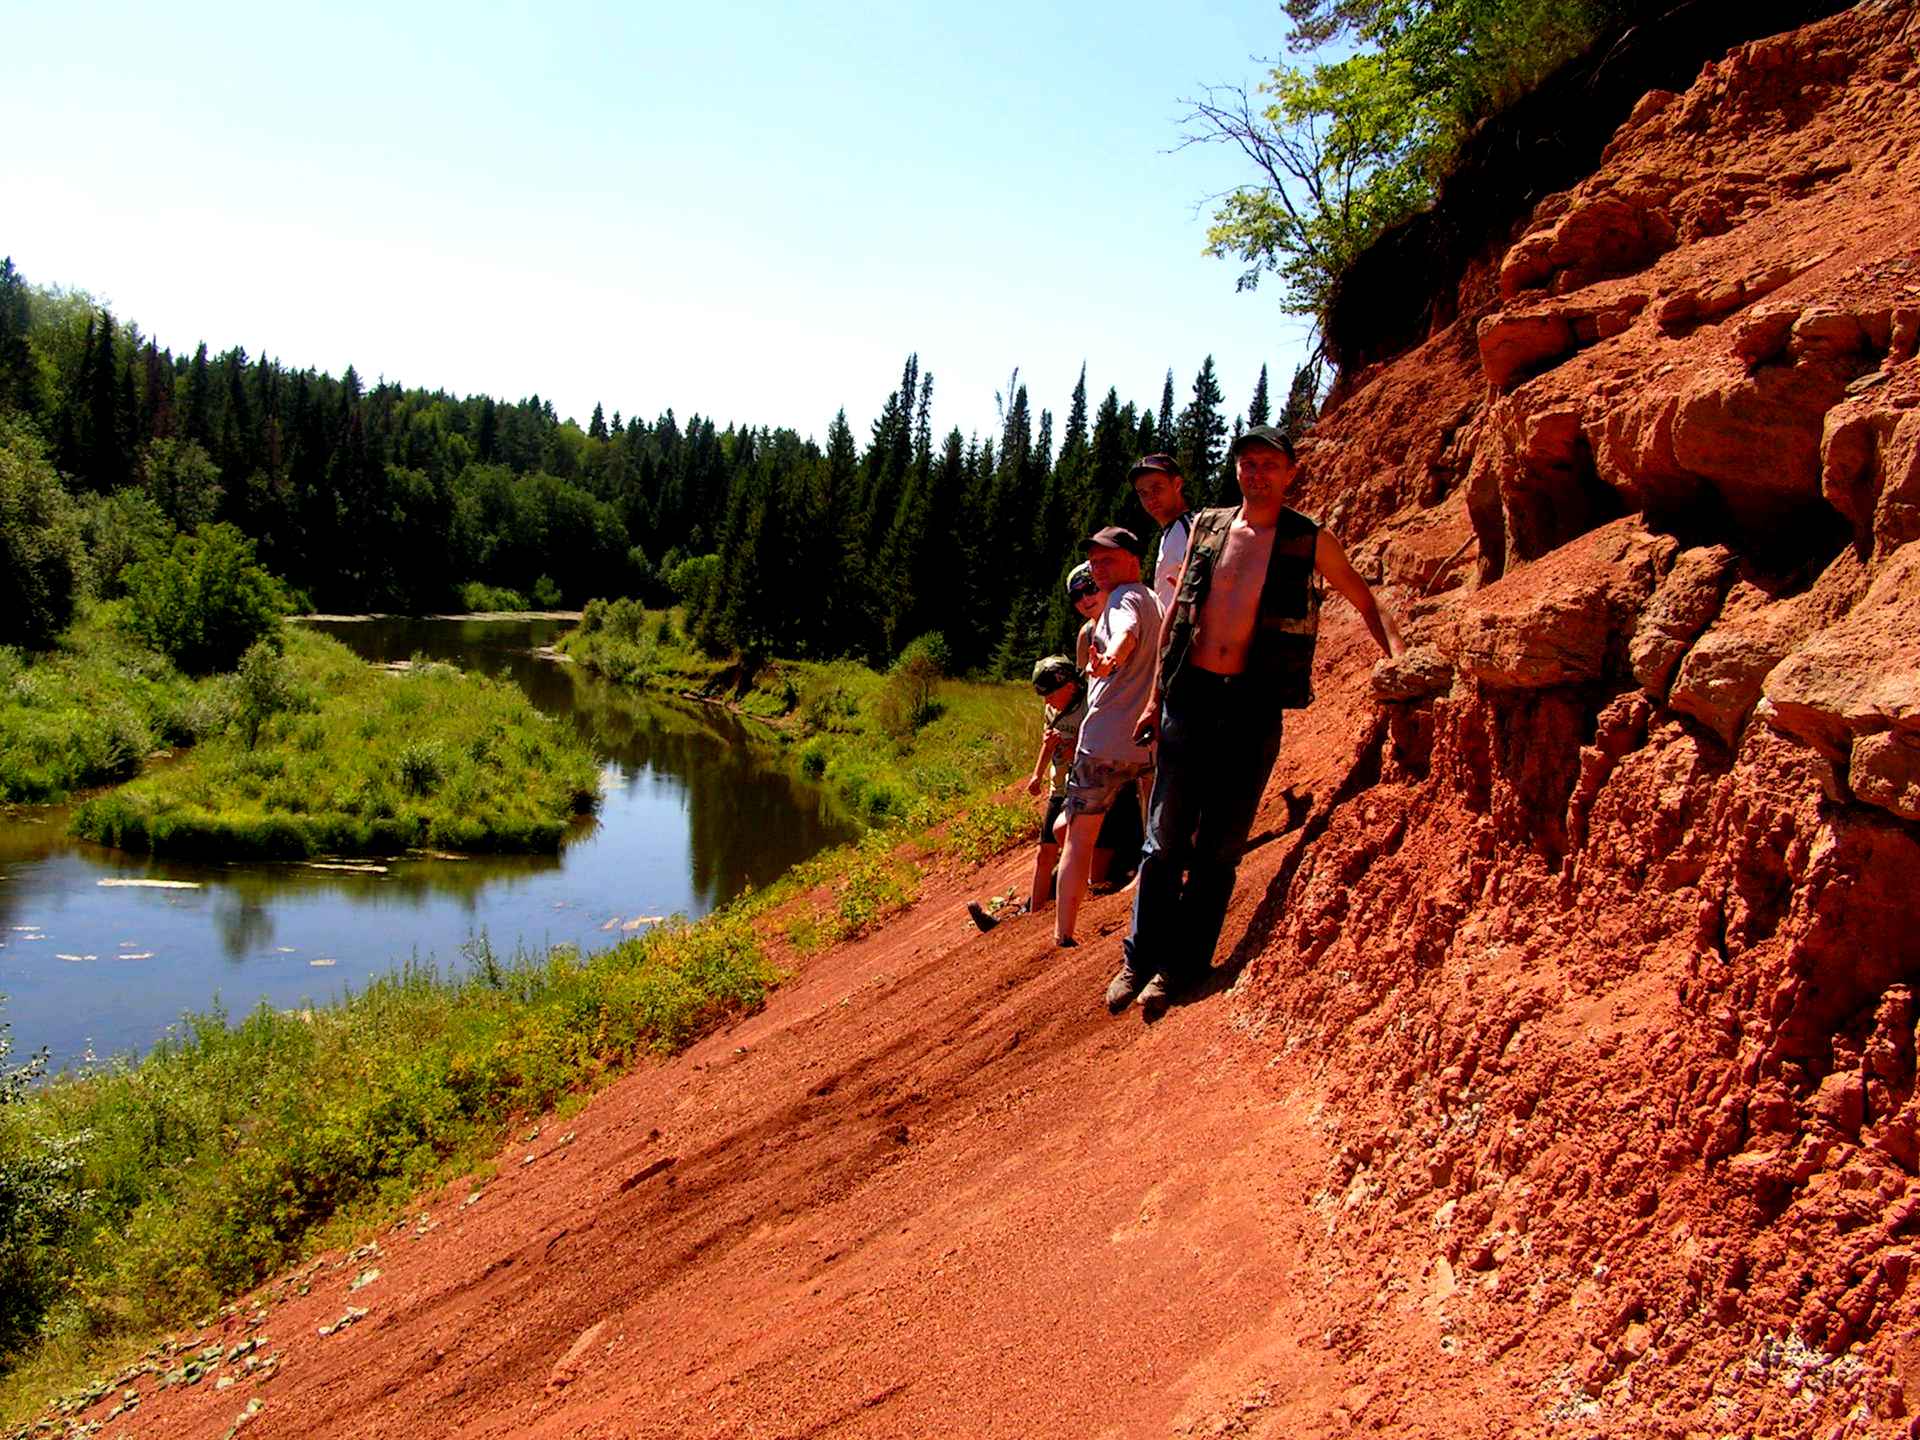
(1040, 889)
(1179, 778)
(1075, 861)
(1219, 842)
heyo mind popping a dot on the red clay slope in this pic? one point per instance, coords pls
(1565, 1085)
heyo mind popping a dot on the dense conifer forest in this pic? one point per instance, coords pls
(385, 497)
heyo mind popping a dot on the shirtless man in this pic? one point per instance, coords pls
(1237, 653)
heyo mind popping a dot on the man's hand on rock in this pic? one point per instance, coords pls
(1033, 785)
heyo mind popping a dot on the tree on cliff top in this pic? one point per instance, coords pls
(1344, 149)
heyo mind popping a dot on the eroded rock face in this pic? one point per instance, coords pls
(1610, 966)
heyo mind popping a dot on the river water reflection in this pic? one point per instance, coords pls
(693, 812)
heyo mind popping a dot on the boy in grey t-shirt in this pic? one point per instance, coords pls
(1120, 666)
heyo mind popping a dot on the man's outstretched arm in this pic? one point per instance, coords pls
(1340, 574)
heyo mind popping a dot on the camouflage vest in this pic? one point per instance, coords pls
(1281, 656)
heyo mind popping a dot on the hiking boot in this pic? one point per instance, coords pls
(1123, 988)
(981, 919)
(1155, 997)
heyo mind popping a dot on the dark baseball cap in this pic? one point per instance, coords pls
(1116, 537)
(1051, 672)
(1080, 581)
(1166, 464)
(1263, 435)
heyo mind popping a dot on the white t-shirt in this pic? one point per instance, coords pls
(1114, 700)
(1173, 553)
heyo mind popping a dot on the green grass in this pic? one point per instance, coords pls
(368, 762)
(92, 709)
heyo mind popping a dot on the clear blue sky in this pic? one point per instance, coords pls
(752, 212)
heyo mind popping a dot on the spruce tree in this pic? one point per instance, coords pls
(1303, 405)
(597, 427)
(17, 381)
(198, 422)
(1258, 410)
(107, 463)
(1163, 426)
(1200, 437)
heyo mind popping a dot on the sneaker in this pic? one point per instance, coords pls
(1123, 988)
(1068, 943)
(981, 919)
(1155, 997)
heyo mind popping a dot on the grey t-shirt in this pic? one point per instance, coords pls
(1114, 701)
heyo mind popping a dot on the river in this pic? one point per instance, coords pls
(694, 810)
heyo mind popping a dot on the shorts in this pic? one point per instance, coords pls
(1093, 783)
(1056, 804)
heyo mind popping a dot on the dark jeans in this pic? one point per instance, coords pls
(1218, 742)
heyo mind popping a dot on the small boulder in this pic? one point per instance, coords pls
(1861, 675)
(1556, 621)
(575, 1360)
(1515, 344)
(1723, 675)
(1885, 771)
(1414, 675)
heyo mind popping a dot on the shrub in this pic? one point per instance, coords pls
(907, 699)
(183, 481)
(476, 596)
(115, 531)
(546, 594)
(205, 601)
(928, 649)
(38, 1201)
(39, 545)
(263, 687)
(420, 769)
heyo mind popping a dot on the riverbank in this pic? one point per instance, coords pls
(142, 1194)
(347, 759)
(900, 745)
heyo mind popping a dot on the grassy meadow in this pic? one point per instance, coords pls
(350, 759)
(90, 710)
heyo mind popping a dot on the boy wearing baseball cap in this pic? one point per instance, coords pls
(1121, 659)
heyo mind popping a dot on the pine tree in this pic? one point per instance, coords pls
(1257, 411)
(597, 427)
(1163, 426)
